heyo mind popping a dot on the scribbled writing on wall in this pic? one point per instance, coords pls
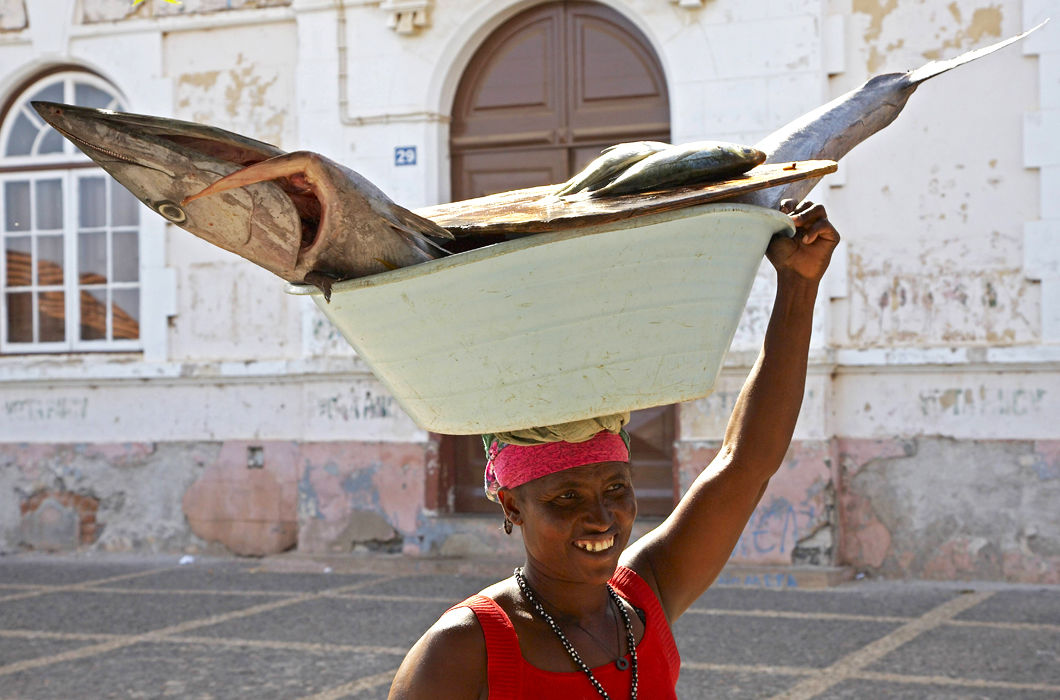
(773, 530)
(32, 410)
(357, 404)
(965, 401)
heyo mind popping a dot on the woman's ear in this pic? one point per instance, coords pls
(510, 506)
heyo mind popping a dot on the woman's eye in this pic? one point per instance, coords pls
(567, 496)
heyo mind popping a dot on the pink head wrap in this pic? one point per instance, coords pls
(508, 466)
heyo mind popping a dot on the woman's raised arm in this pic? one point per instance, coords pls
(684, 555)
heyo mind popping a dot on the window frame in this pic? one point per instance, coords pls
(69, 167)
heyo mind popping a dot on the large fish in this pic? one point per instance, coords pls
(298, 215)
(832, 130)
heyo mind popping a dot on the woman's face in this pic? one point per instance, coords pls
(575, 523)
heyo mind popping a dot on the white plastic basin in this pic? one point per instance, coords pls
(559, 326)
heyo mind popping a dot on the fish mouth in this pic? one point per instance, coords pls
(595, 545)
(167, 145)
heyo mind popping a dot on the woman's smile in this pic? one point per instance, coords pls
(595, 544)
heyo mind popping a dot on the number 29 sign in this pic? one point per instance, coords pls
(404, 155)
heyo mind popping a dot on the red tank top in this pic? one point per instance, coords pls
(510, 677)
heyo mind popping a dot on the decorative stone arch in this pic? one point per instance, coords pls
(504, 137)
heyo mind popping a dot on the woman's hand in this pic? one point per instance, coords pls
(808, 253)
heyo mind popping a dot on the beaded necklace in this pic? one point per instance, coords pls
(531, 598)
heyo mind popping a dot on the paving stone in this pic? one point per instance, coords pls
(911, 602)
(731, 685)
(247, 578)
(14, 649)
(732, 639)
(337, 621)
(860, 689)
(453, 588)
(1037, 607)
(115, 613)
(204, 672)
(60, 571)
(1017, 656)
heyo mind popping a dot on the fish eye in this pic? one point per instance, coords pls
(171, 211)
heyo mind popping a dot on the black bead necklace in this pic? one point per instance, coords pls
(528, 593)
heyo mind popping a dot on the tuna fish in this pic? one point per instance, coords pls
(612, 161)
(685, 164)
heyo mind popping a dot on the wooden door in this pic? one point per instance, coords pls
(543, 95)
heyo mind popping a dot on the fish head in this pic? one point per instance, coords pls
(162, 161)
(751, 154)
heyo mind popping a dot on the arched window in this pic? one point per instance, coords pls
(70, 273)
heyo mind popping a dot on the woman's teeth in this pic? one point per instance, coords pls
(595, 545)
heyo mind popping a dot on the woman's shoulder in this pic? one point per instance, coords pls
(428, 670)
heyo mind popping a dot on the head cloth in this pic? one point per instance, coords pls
(518, 457)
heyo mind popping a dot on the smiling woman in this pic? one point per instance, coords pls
(586, 615)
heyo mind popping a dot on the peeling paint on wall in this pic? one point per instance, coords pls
(985, 23)
(890, 306)
(136, 489)
(237, 78)
(946, 509)
(352, 494)
(888, 26)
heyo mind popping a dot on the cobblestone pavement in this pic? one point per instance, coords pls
(288, 627)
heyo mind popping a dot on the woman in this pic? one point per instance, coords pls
(586, 616)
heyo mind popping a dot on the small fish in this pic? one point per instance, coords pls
(686, 164)
(612, 161)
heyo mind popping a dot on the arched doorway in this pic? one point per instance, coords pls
(547, 91)
(540, 98)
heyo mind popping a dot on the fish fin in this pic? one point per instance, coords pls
(404, 220)
(418, 238)
(322, 281)
(930, 70)
(281, 166)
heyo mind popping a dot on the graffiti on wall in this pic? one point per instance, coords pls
(35, 410)
(357, 404)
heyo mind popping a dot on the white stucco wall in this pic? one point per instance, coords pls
(941, 313)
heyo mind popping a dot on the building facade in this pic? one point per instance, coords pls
(161, 394)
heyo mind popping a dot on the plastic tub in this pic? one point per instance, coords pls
(559, 326)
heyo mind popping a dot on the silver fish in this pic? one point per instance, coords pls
(685, 164)
(612, 161)
(832, 130)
